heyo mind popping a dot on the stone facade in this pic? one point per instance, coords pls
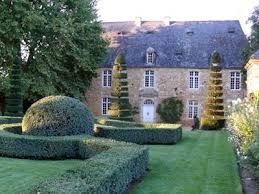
(252, 68)
(168, 82)
(170, 50)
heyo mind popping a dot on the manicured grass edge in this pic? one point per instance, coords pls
(111, 167)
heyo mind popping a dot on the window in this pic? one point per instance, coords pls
(107, 78)
(106, 103)
(194, 80)
(192, 108)
(150, 56)
(148, 101)
(235, 81)
(149, 78)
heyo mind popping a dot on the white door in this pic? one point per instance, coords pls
(148, 111)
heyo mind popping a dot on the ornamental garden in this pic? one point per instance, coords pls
(115, 154)
(51, 142)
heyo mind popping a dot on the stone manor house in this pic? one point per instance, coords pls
(169, 58)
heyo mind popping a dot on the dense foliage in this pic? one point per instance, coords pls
(120, 108)
(109, 172)
(170, 110)
(253, 39)
(213, 115)
(14, 102)
(111, 167)
(61, 44)
(58, 116)
(10, 120)
(244, 128)
(142, 135)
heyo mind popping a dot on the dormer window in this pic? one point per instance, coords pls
(150, 55)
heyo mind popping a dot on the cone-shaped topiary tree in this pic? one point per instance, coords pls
(213, 115)
(120, 108)
(13, 101)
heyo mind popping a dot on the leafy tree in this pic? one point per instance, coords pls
(61, 44)
(170, 110)
(120, 108)
(253, 39)
(213, 116)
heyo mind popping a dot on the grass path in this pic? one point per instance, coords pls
(17, 175)
(203, 163)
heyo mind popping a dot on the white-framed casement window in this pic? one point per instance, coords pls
(193, 108)
(235, 80)
(193, 79)
(150, 57)
(106, 103)
(107, 78)
(149, 79)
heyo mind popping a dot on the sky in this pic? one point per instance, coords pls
(178, 10)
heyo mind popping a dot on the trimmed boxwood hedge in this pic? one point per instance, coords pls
(118, 123)
(148, 134)
(58, 116)
(111, 167)
(108, 172)
(9, 120)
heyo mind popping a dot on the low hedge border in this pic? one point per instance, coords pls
(10, 120)
(108, 172)
(118, 123)
(111, 167)
(148, 134)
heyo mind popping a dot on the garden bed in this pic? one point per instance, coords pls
(145, 133)
(110, 165)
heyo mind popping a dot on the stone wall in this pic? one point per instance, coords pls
(168, 82)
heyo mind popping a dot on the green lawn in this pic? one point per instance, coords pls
(202, 163)
(17, 175)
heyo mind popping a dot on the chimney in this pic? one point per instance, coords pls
(138, 21)
(167, 20)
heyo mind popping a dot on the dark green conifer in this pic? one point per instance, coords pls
(120, 108)
(13, 101)
(213, 115)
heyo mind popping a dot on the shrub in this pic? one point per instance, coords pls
(12, 128)
(120, 108)
(215, 58)
(213, 115)
(57, 116)
(108, 172)
(118, 123)
(212, 123)
(111, 167)
(170, 110)
(243, 125)
(148, 134)
(14, 106)
(10, 120)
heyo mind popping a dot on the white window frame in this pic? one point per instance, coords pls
(149, 79)
(192, 108)
(235, 80)
(194, 80)
(106, 103)
(107, 78)
(150, 57)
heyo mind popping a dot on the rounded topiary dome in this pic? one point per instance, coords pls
(58, 116)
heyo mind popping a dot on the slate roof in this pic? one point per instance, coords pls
(255, 55)
(186, 44)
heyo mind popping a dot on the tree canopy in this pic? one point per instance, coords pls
(60, 41)
(253, 39)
